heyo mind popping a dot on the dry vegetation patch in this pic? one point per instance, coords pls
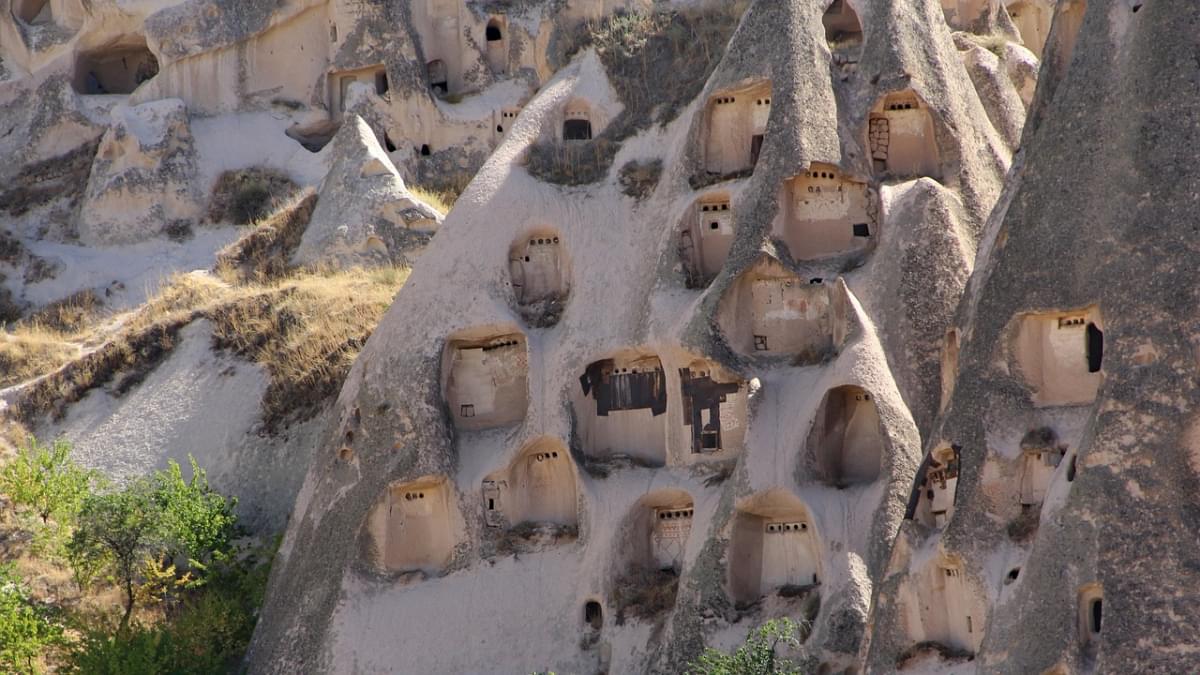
(305, 330)
(246, 196)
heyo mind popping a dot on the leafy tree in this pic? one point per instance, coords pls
(116, 531)
(26, 630)
(196, 521)
(756, 656)
(153, 520)
(45, 480)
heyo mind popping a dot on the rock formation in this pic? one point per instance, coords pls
(870, 313)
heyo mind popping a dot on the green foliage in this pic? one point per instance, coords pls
(117, 530)
(156, 518)
(46, 481)
(207, 634)
(194, 520)
(26, 630)
(756, 656)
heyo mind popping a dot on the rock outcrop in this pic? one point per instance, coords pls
(364, 214)
(143, 179)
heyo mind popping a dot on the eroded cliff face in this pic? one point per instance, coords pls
(1068, 534)
(658, 380)
(871, 313)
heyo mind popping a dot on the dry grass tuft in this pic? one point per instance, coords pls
(248, 195)
(263, 254)
(441, 200)
(30, 352)
(70, 315)
(644, 594)
(306, 333)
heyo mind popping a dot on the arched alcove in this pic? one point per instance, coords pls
(1041, 455)
(539, 268)
(846, 440)
(735, 122)
(538, 487)
(117, 68)
(651, 551)
(705, 236)
(901, 137)
(414, 526)
(620, 406)
(1060, 355)
(33, 12)
(497, 46)
(1032, 19)
(439, 79)
(773, 546)
(485, 379)
(932, 500)
(769, 311)
(942, 607)
(577, 121)
(841, 23)
(1091, 616)
(714, 408)
(823, 213)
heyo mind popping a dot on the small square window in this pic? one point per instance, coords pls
(467, 410)
(760, 343)
(862, 230)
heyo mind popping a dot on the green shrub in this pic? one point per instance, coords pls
(194, 520)
(27, 630)
(206, 634)
(756, 656)
(45, 480)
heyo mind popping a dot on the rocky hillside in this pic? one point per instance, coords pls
(855, 312)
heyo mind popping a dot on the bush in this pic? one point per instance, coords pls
(152, 519)
(27, 631)
(248, 195)
(45, 481)
(756, 656)
(207, 634)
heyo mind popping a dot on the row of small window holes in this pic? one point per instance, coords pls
(775, 528)
(412, 496)
(674, 515)
(732, 99)
(903, 106)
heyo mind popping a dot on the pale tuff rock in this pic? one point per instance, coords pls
(142, 181)
(364, 213)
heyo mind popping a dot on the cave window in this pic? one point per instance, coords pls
(1095, 615)
(577, 130)
(593, 615)
(1095, 348)
(381, 82)
(425, 150)
(388, 143)
(1071, 470)
(493, 33)
(760, 343)
(756, 142)
(438, 79)
(862, 230)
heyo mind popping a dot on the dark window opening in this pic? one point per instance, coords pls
(618, 389)
(593, 614)
(1013, 574)
(438, 79)
(499, 128)
(862, 230)
(714, 226)
(388, 143)
(755, 148)
(493, 33)
(1071, 470)
(577, 130)
(381, 82)
(425, 150)
(491, 504)
(1095, 348)
(1096, 609)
